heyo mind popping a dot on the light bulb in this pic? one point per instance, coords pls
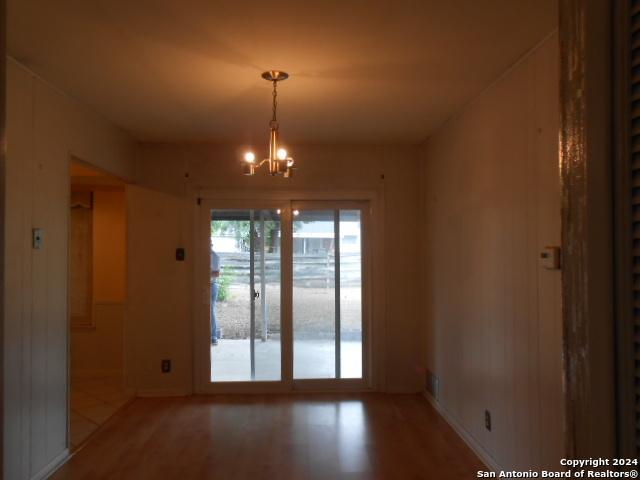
(282, 154)
(249, 157)
(296, 213)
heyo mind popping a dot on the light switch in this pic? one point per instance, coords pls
(38, 238)
(550, 258)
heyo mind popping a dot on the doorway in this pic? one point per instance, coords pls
(286, 295)
(97, 265)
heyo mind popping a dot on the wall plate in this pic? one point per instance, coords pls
(550, 258)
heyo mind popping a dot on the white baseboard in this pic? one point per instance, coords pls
(162, 392)
(77, 374)
(471, 442)
(52, 466)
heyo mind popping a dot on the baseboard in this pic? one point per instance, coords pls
(52, 466)
(471, 442)
(77, 374)
(162, 392)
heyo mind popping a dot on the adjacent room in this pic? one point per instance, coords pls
(289, 240)
(97, 285)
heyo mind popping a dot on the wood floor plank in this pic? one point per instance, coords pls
(310, 436)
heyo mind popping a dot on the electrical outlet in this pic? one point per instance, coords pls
(487, 420)
(165, 365)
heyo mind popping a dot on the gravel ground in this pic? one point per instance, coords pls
(313, 312)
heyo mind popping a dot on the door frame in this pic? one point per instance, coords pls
(373, 288)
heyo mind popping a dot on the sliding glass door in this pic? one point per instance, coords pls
(286, 296)
(327, 294)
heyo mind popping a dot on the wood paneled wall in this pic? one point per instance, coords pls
(162, 183)
(44, 129)
(493, 314)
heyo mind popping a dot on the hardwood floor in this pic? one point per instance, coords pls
(354, 436)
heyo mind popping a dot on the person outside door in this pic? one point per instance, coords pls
(215, 288)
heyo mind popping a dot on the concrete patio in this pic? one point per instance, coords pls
(230, 359)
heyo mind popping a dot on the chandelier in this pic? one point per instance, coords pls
(279, 161)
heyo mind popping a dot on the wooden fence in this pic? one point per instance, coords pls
(308, 270)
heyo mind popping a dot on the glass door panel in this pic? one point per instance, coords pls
(327, 294)
(245, 295)
(314, 312)
(350, 294)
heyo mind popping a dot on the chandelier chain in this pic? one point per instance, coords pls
(275, 101)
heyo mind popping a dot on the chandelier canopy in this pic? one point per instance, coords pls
(279, 161)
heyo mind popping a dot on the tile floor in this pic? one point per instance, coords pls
(93, 401)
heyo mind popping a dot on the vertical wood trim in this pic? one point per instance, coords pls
(573, 173)
(3, 150)
(587, 232)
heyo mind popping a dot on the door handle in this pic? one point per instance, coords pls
(256, 294)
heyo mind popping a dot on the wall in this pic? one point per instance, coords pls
(158, 301)
(101, 350)
(44, 129)
(493, 314)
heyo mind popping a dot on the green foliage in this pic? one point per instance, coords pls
(236, 228)
(224, 281)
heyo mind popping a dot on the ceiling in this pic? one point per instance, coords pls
(362, 71)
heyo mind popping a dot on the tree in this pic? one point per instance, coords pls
(239, 229)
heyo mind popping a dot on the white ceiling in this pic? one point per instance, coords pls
(362, 71)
